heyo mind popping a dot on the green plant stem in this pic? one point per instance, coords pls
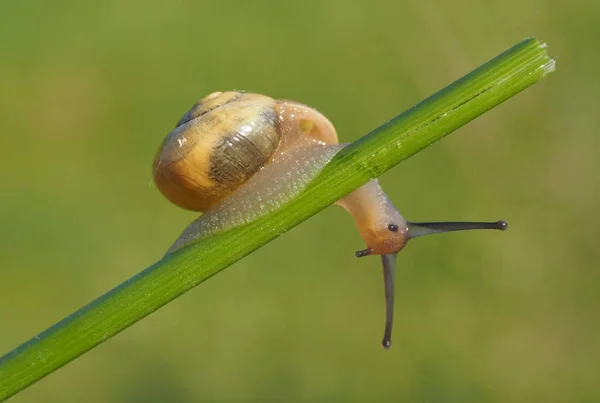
(489, 85)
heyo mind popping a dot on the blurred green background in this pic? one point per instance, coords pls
(87, 92)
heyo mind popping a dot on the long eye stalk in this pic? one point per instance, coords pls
(416, 229)
(389, 279)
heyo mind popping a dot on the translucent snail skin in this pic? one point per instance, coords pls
(237, 156)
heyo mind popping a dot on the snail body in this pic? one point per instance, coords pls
(277, 183)
(238, 156)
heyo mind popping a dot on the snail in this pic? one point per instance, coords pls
(237, 156)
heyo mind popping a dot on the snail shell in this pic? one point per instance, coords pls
(238, 156)
(225, 139)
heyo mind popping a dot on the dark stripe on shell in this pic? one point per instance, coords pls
(240, 153)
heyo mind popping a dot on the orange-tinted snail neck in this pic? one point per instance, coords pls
(380, 224)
